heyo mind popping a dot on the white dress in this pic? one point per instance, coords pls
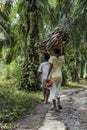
(56, 76)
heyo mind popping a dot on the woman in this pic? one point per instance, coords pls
(55, 72)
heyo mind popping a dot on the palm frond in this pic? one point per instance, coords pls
(4, 29)
(8, 6)
(3, 16)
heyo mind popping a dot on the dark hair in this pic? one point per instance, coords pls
(46, 57)
(57, 51)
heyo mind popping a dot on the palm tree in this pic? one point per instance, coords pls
(35, 12)
(4, 26)
(72, 19)
(31, 58)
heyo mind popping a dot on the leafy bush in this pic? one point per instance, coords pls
(16, 70)
(13, 70)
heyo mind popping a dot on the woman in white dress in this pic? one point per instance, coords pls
(55, 73)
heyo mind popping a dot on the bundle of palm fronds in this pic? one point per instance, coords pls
(57, 39)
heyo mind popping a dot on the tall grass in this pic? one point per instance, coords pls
(15, 103)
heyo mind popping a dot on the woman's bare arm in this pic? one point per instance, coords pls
(51, 66)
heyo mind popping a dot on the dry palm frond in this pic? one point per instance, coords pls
(56, 39)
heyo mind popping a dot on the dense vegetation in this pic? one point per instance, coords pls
(14, 104)
(23, 25)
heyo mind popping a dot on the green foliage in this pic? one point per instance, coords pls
(16, 70)
(29, 74)
(25, 24)
(53, 3)
(14, 103)
(72, 85)
(13, 70)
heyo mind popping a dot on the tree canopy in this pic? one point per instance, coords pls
(24, 24)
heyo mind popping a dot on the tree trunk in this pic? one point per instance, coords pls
(82, 69)
(75, 77)
(31, 59)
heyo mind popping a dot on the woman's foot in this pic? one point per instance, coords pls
(53, 108)
(60, 107)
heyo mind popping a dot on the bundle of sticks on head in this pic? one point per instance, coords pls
(57, 39)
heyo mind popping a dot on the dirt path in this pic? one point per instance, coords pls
(34, 120)
(75, 104)
(73, 114)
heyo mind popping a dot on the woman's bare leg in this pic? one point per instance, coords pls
(59, 105)
(54, 105)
